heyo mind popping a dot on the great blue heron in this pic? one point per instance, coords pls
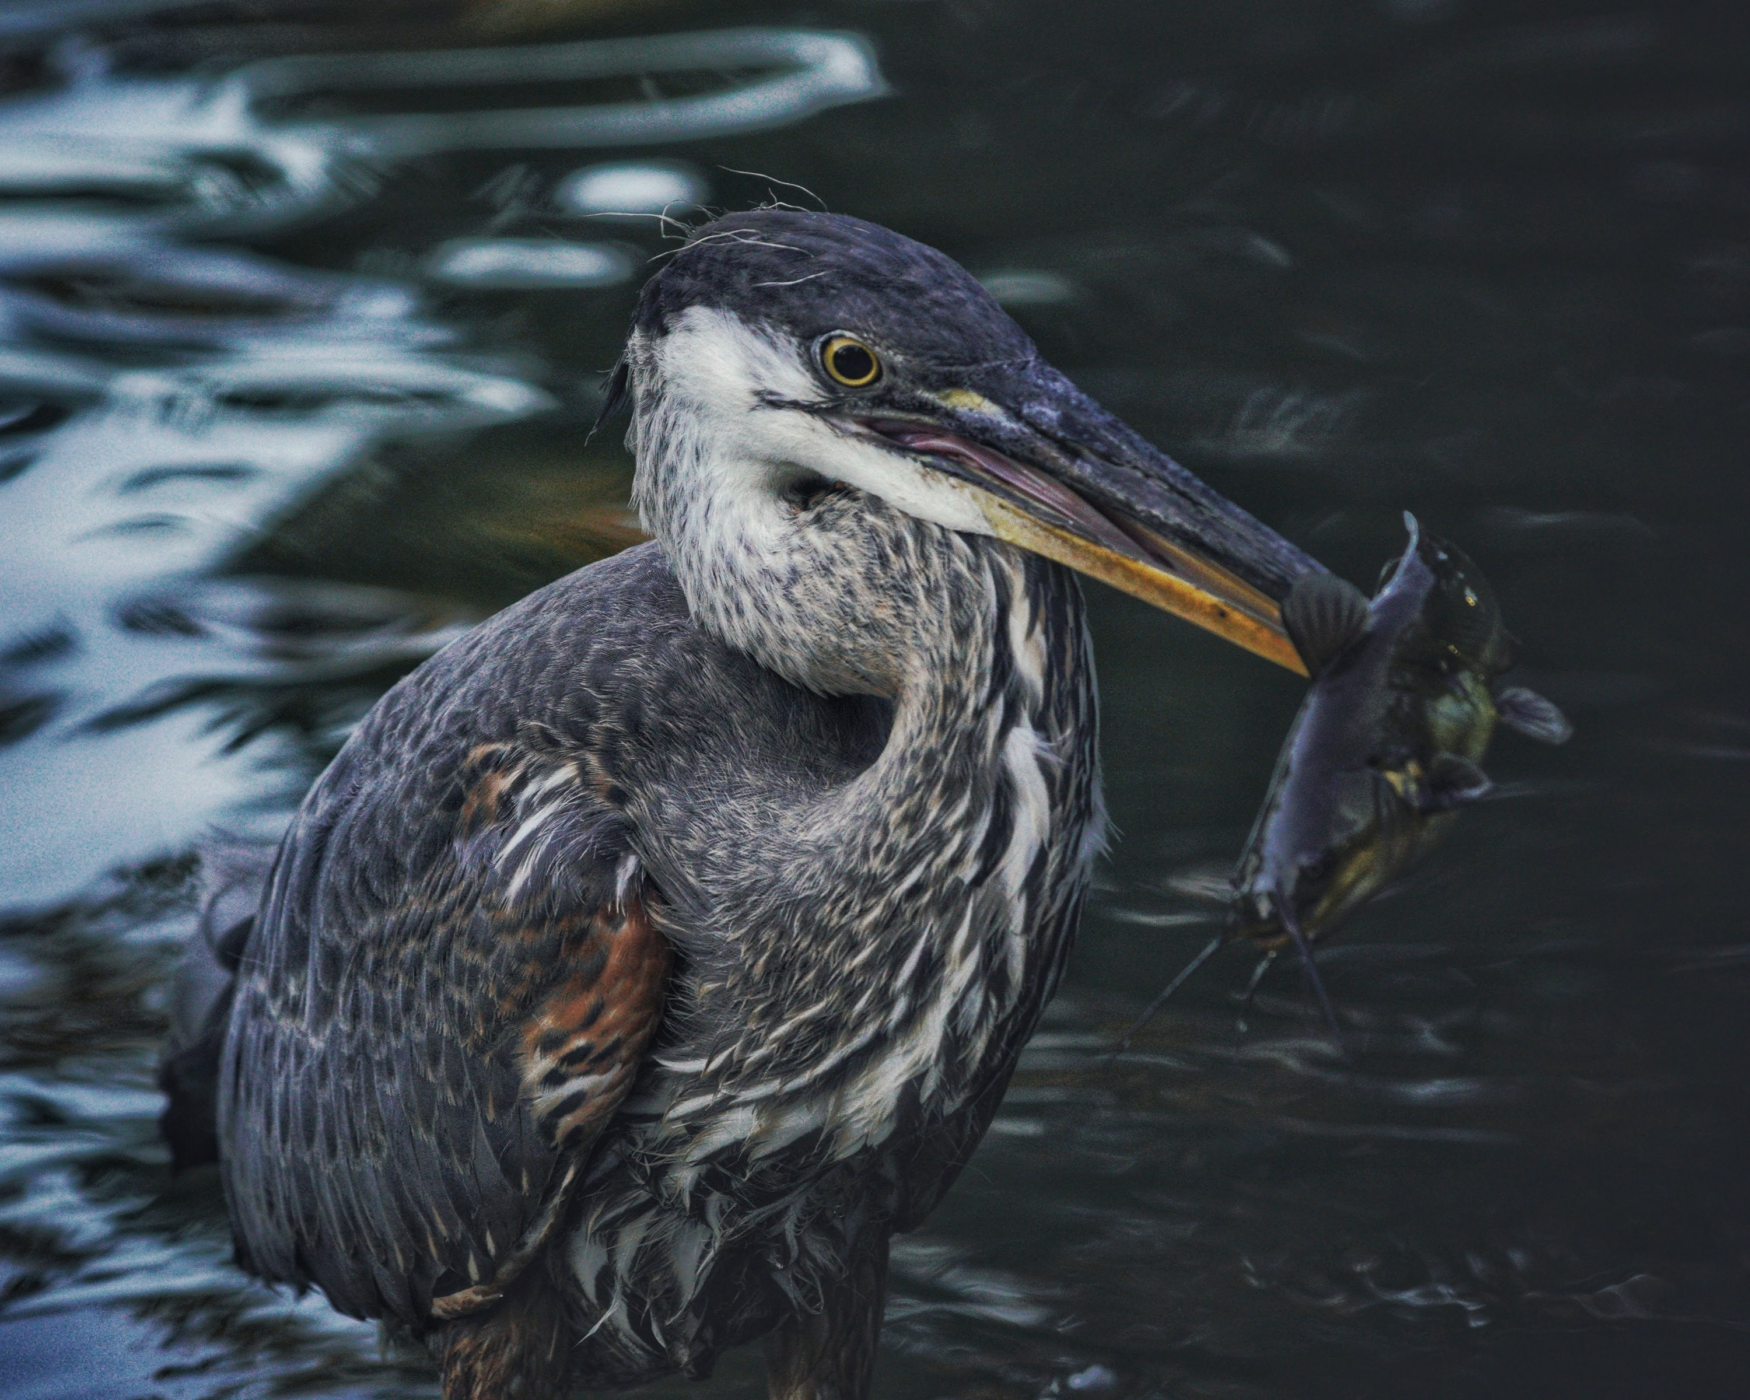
(652, 954)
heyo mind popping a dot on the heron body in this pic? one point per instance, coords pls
(652, 954)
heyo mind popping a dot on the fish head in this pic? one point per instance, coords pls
(1455, 654)
(1458, 628)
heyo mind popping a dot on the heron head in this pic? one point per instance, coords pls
(789, 370)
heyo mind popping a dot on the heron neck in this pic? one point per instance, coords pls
(904, 924)
(978, 677)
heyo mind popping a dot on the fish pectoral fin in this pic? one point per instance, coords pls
(1532, 715)
(1322, 615)
(1451, 782)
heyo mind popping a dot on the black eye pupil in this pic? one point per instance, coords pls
(853, 362)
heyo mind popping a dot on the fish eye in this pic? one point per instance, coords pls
(849, 362)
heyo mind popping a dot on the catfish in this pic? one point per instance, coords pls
(1385, 751)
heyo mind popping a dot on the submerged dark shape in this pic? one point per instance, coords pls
(200, 1003)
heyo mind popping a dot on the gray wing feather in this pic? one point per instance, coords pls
(376, 1136)
(377, 1142)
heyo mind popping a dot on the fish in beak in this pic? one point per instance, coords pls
(1384, 752)
(1383, 756)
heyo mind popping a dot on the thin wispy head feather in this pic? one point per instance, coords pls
(735, 235)
(791, 184)
(793, 281)
(663, 218)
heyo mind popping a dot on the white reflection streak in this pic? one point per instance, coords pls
(148, 493)
(200, 157)
(160, 476)
(147, 291)
(816, 71)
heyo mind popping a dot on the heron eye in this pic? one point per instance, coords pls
(850, 362)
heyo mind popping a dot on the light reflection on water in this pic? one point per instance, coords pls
(166, 407)
(118, 514)
(190, 155)
(148, 478)
(299, 351)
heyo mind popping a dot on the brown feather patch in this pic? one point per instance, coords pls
(583, 1045)
(581, 1050)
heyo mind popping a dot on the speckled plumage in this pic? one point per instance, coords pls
(651, 954)
(374, 1150)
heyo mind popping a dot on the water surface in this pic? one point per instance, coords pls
(303, 314)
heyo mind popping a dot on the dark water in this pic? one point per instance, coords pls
(296, 361)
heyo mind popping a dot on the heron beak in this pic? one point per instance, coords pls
(1063, 478)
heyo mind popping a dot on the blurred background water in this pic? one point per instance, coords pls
(304, 309)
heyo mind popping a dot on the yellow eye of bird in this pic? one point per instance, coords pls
(850, 362)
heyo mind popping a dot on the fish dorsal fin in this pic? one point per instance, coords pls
(1453, 781)
(1323, 614)
(1532, 715)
